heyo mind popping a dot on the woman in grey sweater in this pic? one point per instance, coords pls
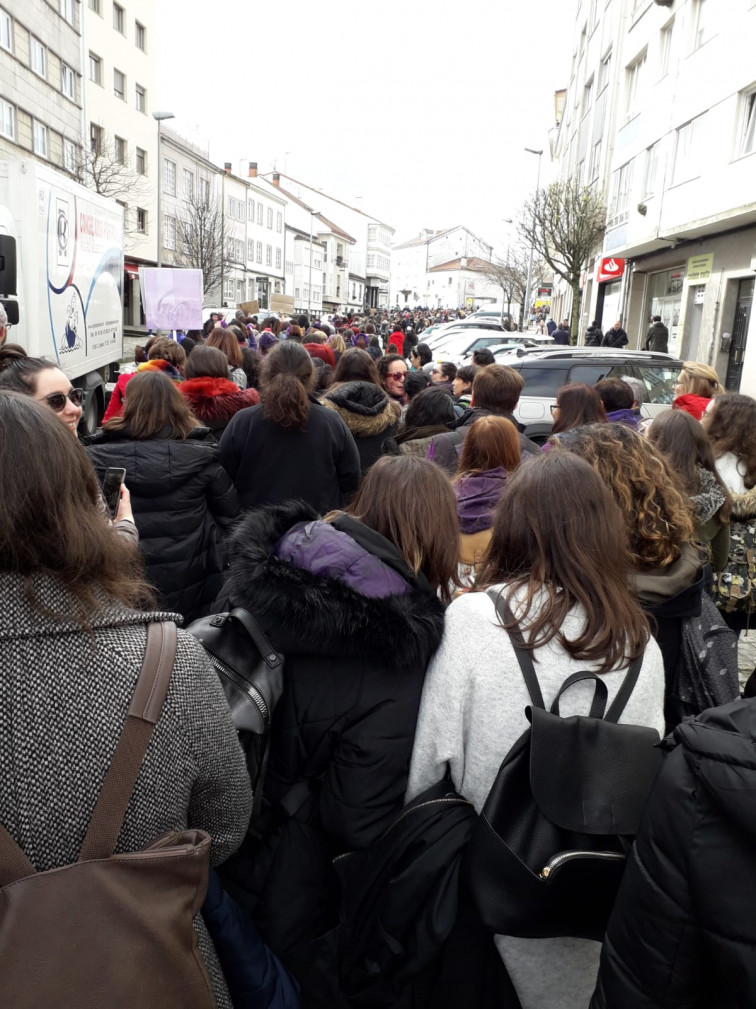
(564, 577)
(72, 640)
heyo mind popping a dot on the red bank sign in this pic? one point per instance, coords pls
(610, 269)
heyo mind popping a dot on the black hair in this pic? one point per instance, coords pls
(431, 406)
(415, 382)
(423, 352)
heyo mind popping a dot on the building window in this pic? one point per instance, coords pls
(140, 162)
(279, 222)
(268, 255)
(703, 22)
(140, 36)
(251, 251)
(169, 232)
(95, 69)
(7, 120)
(689, 153)
(296, 292)
(119, 150)
(141, 99)
(66, 9)
(94, 5)
(260, 214)
(229, 289)
(278, 259)
(169, 177)
(595, 162)
(39, 138)
(748, 133)
(188, 184)
(665, 47)
(118, 18)
(289, 268)
(251, 211)
(204, 191)
(6, 31)
(258, 252)
(119, 85)
(67, 81)
(604, 71)
(651, 175)
(95, 138)
(37, 57)
(141, 221)
(587, 97)
(621, 185)
(69, 156)
(635, 78)
(270, 218)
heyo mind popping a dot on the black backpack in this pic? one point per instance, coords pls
(548, 851)
(251, 673)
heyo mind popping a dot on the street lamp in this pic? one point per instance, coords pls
(160, 116)
(509, 221)
(526, 306)
(309, 289)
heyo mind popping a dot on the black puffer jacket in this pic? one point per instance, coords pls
(370, 415)
(354, 670)
(183, 503)
(683, 934)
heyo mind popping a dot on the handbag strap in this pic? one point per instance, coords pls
(270, 656)
(142, 717)
(524, 657)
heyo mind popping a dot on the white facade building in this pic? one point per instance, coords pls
(414, 284)
(460, 283)
(41, 82)
(673, 148)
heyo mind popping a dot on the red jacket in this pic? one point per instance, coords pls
(694, 405)
(214, 401)
(115, 406)
(396, 340)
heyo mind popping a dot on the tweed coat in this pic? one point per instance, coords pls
(64, 694)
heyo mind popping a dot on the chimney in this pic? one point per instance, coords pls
(253, 169)
(227, 167)
(276, 179)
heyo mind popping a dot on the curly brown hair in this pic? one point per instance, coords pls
(658, 515)
(730, 424)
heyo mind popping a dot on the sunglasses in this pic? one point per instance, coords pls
(57, 400)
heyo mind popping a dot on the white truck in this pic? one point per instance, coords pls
(61, 275)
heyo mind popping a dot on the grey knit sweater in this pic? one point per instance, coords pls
(472, 712)
(63, 700)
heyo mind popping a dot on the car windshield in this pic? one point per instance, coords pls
(660, 382)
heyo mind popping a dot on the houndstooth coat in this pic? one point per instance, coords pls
(64, 694)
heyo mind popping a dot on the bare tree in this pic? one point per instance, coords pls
(510, 275)
(104, 167)
(204, 235)
(564, 223)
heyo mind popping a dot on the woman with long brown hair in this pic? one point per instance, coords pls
(576, 404)
(565, 580)
(183, 501)
(353, 603)
(290, 446)
(72, 640)
(490, 453)
(227, 342)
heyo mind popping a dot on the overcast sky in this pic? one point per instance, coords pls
(416, 111)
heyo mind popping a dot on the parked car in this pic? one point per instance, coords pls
(546, 370)
(459, 345)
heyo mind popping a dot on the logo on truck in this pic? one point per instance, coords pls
(72, 335)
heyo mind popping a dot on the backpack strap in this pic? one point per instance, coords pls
(598, 705)
(524, 657)
(142, 717)
(623, 694)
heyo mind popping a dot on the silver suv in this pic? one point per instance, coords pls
(545, 371)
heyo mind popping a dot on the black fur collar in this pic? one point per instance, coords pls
(308, 614)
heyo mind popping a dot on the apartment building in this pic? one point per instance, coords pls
(672, 145)
(41, 81)
(265, 240)
(453, 251)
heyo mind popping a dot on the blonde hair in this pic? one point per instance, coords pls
(336, 342)
(700, 380)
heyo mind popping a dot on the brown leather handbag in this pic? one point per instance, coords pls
(110, 930)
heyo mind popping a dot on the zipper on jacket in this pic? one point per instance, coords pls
(247, 688)
(557, 861)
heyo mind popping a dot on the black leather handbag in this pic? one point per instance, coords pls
(251, 673)
(548, 851)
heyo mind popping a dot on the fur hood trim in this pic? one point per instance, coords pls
(743, 505)
(217, 399)
(307, 614)
(365, 408)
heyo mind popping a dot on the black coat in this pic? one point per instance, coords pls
(614, 338)
(270, 464)
(354, 669)
(683, 934)
(561, 336)
(370, 415)
(593, 336)
(183, 503)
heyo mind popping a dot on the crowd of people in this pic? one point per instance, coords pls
(374, 510)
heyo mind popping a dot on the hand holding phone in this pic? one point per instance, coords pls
(111, 483)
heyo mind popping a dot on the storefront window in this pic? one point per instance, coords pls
(666, 299)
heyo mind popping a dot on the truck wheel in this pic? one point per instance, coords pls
(90, 418)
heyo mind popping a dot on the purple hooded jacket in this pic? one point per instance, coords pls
(477, 498)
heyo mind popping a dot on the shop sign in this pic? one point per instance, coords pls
(610, 268)
(699, 268)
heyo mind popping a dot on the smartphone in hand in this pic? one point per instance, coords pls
(110, 482)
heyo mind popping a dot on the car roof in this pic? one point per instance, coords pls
(590, 354)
